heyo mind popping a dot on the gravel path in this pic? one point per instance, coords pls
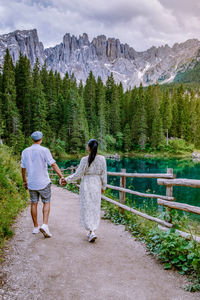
(67, 267)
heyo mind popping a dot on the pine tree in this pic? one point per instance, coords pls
(127, 138)
(126, 110)
(157, 136)
(177, 111)
(121, 101)
(90, 104)
(12, 131)
(101, 122)
(143, 125)
(175, 118)
(134, 107)
(23, 82)
(166, 112)
(44, 74)
(80, 89)
(180, 108)
(112, 106)
(75, 128)
(68, 107)
(58, 83)
(193, 118)
(149, 99)
(185, 118)
(139, 123)
(51, 95)
(60, 111)
(38, 101)
(66, 84)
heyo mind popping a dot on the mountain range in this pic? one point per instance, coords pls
(104, 55)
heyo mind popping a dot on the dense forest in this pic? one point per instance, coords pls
(69, 113)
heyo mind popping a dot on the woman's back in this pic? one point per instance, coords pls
(93, 175)
(97, 167)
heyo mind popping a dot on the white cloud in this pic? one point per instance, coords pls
(140, 23)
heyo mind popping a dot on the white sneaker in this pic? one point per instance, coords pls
(92, 237)
(36, 230)
(88, 235)
(45, 230)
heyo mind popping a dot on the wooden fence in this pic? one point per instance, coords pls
(167, 179)
(65, 171)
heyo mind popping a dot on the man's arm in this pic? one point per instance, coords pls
(57, 170)
(24, 178)
(51, 162)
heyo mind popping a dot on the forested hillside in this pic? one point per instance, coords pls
(69, 113)
(190, 75)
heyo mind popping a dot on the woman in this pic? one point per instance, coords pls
(93, 174)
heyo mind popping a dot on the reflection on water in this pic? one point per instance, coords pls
(182, 168)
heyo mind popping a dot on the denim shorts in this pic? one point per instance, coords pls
(45, 194)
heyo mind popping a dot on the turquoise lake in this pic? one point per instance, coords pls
(182, 169)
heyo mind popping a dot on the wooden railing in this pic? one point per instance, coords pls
(65, 171)
(167, 179)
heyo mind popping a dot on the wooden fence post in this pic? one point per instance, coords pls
(169, 193)
(122, 195)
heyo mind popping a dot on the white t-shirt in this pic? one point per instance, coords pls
(35, 160)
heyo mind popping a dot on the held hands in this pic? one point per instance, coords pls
(62, 181)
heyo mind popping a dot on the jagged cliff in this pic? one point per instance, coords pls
(103, 56)
(26, 42)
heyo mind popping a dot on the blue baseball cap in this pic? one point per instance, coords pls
(37, 135)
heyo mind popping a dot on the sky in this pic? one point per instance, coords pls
(139, 23)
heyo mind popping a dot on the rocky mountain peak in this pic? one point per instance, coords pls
(84, 40)
(102, 56)
(100, 45)
(24, 41)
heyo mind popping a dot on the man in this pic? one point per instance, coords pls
(34, 160)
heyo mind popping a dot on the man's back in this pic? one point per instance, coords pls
(35, 160)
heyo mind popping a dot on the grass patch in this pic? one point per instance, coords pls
(13, 197)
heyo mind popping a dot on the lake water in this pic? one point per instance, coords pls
(182, 168)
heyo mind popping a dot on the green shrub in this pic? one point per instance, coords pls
(178, 146)
(13, 197)
(110, 142)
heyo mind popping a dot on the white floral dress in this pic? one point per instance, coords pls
(93, 179)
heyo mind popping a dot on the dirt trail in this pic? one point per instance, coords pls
(67, 267)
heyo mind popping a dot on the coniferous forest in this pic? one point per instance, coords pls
(69, 113)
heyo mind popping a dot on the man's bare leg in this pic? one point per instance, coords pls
(46, 211)
(34, 214)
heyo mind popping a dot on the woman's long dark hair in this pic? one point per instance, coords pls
(93, 144)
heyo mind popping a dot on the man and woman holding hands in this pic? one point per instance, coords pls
(91, 170)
